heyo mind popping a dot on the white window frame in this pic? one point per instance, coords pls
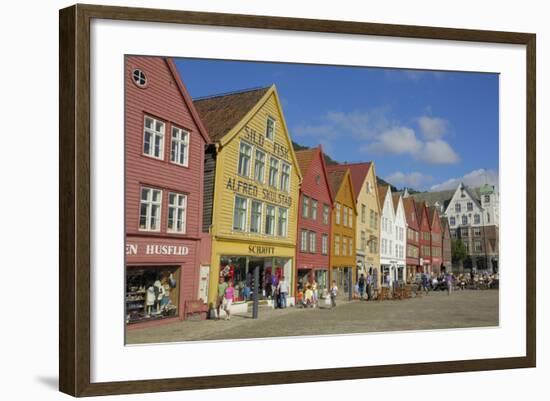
(241, 145)
(284, 185)
(252, 214)
(305, 207)
(312, 242)
(337, 209)
(245, 222)
(273, 226)
(350, 245)
(314, 206)
(269, 118)
(284, 234)
(263, 163)
(344, 246)
(273, 182)
(154, 133)
(183, 139)
(149, 204)
(180, 212)
(336, 245)
(304, 239)
(324, 244)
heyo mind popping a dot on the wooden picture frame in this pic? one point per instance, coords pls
(74, 203)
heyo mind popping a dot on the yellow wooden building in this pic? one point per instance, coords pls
(251, 192)
(344, 215)
(367, 229)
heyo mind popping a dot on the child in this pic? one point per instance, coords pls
(333, 293)
(309, 296)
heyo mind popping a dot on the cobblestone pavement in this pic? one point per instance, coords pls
(437, 310)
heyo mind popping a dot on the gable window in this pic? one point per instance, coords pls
(256, 217)
(338, 211)
(303, 241)
(259, 166)
(282, 226)
(317, 179)
(477, 218)
(273, 172)
(457, 208)
(452, 220)
(239, 213)
(305, 207)
(270, 128)
(139, 78)
(313, 210)
(470, 206)
(245, 153)
(487, 198)
(176, 212)
(150, 209)
(312, 242)
(285, 177)
(153, 138)
(464, 219)
(179, 153)
(270, 220)
(326, 212)
(345, 222)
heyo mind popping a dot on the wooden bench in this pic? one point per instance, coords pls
(194, 307)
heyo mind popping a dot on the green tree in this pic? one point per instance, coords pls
(458, 252)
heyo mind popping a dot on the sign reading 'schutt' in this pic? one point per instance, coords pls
(256, 182)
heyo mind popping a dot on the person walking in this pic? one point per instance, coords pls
(333, 293)
(449, 282)
(283, 289)
(369, 286)
(228, 300)
(222, 285)
(361, 283)
(425, 282)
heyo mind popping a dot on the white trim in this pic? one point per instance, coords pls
(154, 133)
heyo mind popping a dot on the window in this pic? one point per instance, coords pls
(344, 246)
(467, 246)
(371, 221)
(338, 209)
(303, 241)
(270, 128)
(463, 232)
(452, 220)
(345, 222)
(477, 232)
(270, 220)
(373, 246)
(397, 251)
(282, 226)
(150, 208)
(337, 245)
(256, 217)
(245, 153)
(176, 212)
(390, 248)
(470, 206)
(488, 217)
(477, 246)
(285, 177)
(239, 214)
(312, 242)
(363, 240)
(457, 208)
(375, 220)
(139, 78)
(487, 198)
(363, 213)
(313, 210)
(326, 212)
(369, 187)
(273, 172)
(464, 219)
(477, 218)
(454, 234)
(179, 153)
(350, 244)
(324, 244)
(259, 166)
(317, 179)
(350, 217)
(153, 138)
(305, 207)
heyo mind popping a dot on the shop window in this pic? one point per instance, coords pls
(259, 166)
(282, 226)
(273, 171)
(152, 293)
(239, 214)
(270, 220)
(177, 205)
(256, 217)
(153, 138)
(285, 177)
(245, 153)
(150, 209)
(270, 128)
(180, 147)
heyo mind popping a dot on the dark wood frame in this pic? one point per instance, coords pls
(74, 202)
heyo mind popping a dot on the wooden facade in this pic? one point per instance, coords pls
(425, 242)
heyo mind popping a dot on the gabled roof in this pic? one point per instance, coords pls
(220, 113)
(420, 212)
(395, 199)
(304, 159)
(382, 192)
(358, 173)
(188, 101)
(335, 180)
(410, 208)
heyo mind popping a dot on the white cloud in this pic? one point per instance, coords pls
(397, 140)
(474, 179)
(432, 127)
(438, 152)
(412, 180)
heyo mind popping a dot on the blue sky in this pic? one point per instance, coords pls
(424, 129)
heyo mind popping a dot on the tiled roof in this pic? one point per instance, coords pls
(335, 179)
(220, 113)
(304, 158)
(358, 173)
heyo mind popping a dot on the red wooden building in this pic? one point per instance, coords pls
(425, 241)
(413, 238)
(436, 242)
(314, 219)
(165, 142)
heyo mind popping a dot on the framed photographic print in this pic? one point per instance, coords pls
(358, 196)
